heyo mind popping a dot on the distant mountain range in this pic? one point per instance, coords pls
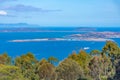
(24, 27)
(16, 25)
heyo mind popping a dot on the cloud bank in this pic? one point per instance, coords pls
(1, 1)
(27, 8)
(3, 13)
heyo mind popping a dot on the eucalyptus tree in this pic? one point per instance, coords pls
(112, 50)
(53, 60)
(27, 64)
(95, 53)
(11, 73)
(46, 70)
(82, 58)
(69, 70)
(94, 66)
(5, 59)
(101, 68)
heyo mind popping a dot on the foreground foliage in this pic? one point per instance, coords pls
(96, 65)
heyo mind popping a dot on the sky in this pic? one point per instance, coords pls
(88, 13)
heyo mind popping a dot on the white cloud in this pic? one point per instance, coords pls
(3, 13)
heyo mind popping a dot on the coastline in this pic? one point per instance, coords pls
(60, 39)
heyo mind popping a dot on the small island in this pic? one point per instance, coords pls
(95, 36)
(91, 36)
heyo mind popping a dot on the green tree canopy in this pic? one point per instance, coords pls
(27, 64)
(69, 70)
(10, 73)
(53, 60)
(5, 59)
(46, 71)
(95, 53)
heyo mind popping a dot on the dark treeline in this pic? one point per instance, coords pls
(96, 65)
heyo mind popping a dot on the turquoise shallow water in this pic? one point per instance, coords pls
(45, 49)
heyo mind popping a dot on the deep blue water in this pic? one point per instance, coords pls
(45, 49)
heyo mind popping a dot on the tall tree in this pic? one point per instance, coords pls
(45, 70)
(94, 66)
(112, 50)
(95, 53)
(10, 73)
(69, 70)
(27, 64)
(5, 59)
(100, 68)
(53, 60)
(82, 58)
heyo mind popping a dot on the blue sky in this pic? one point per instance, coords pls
(94, 13)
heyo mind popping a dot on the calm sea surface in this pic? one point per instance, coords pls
(45, 49)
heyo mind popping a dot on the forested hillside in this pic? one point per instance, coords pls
(96, 65)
